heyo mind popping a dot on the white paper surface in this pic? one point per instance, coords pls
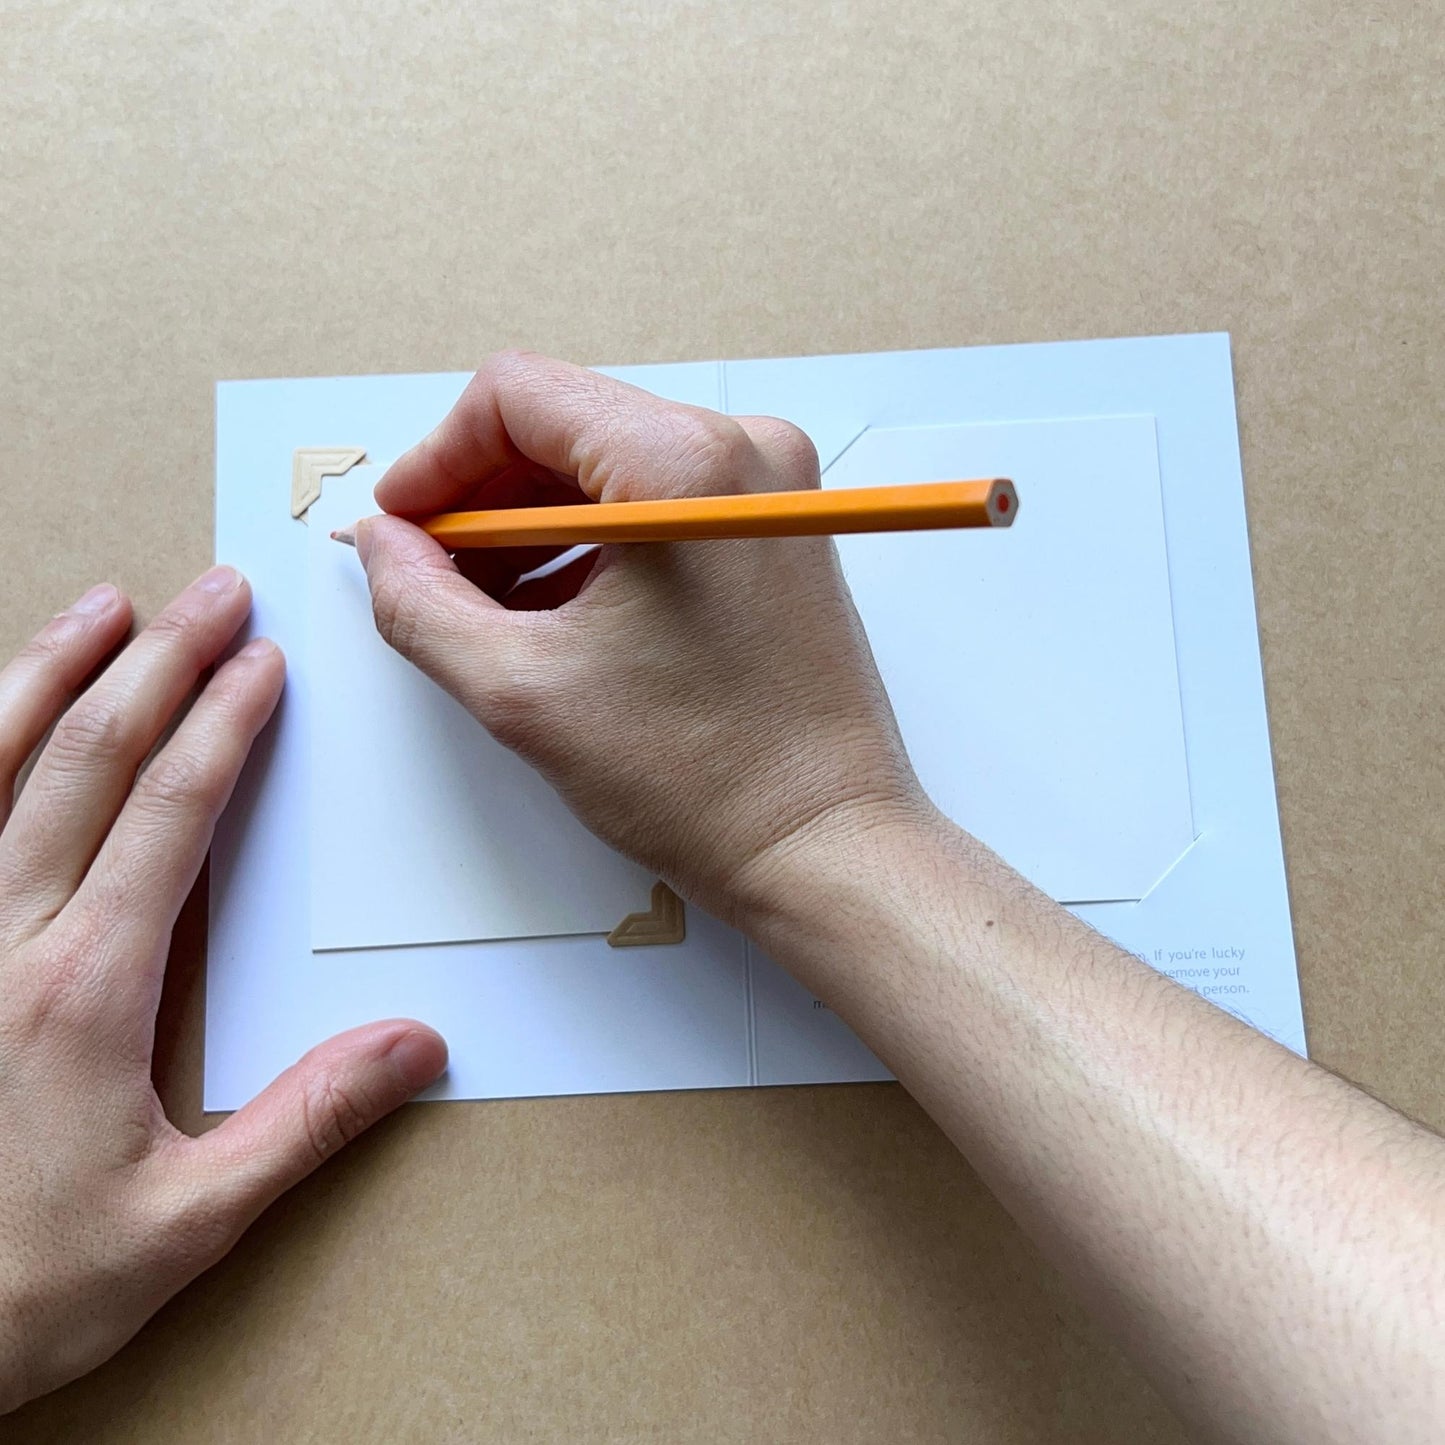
(1032, 670)
(424, 830)
(566, 1014)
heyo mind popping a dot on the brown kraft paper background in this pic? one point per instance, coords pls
(193, 192)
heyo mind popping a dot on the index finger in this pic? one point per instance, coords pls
(618, 442)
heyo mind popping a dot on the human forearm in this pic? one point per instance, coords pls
(712, 711)
(1269, 1241)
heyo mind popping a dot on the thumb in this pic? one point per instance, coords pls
(303, 1117)
(427, 611)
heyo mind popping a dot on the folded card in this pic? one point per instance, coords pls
(1081, 690)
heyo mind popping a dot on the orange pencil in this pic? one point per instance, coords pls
(918, 506)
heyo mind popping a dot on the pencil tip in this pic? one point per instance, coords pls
(346, 535)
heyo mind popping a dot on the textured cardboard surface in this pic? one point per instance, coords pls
(190, 194)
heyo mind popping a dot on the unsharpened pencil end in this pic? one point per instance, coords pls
(1003, 503)
(345, 534)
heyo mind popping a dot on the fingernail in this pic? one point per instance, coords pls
(362, 538)
(219, 579)
(258, 647)
(98, 599)
(420, 1059)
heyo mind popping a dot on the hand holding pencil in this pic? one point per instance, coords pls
(691, 704)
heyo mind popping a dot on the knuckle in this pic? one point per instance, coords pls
(189, 1227)
(794, 447)
(179, 780)
(391, 612)
(716, 450)
(50, 646)
(57, 1001)
(96, 727)
(332, 1115)
(170, 628)
(508, 359)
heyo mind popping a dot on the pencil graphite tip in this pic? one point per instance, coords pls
(346, 535)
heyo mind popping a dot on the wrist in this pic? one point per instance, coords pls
(884, 912)
(857, 879)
